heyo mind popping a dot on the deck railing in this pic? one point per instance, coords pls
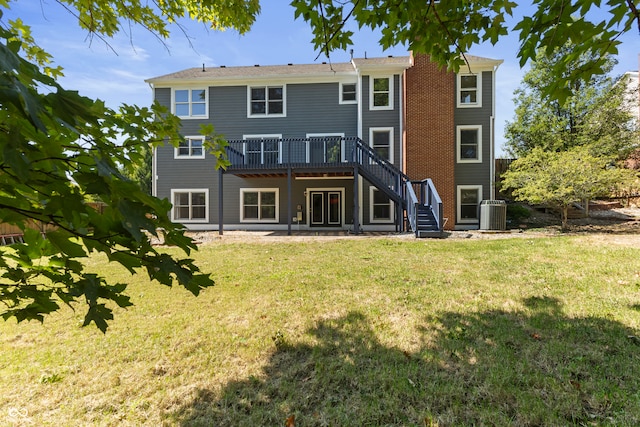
(276, 152)
(337, 151)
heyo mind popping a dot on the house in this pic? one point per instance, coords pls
(632, 95)
(632, 104)
(389, 143)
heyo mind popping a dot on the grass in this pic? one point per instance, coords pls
(356, 332)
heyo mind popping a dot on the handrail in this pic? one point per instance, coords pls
(234, 156)
(412, 207)
(337, 151)
(429, 197)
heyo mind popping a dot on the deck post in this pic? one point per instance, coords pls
(356, 202)
(220, 198)
(289, 207)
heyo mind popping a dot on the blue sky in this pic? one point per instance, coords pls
(116, 72)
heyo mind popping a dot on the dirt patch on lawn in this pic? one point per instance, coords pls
(604, 226)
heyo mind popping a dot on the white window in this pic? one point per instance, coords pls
(190, 205)
(381, 141)
(348, 94)
(380, 206)
(469, 90)
(266, 101)
(469, 144)
(190, 148)
(263, 149)
(381, 93)
(259, 204)
(326, 148)
(190, 103)
(469, 197)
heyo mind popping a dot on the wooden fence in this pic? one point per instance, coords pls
(11, 233)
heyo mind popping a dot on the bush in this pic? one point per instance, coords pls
(517, 212)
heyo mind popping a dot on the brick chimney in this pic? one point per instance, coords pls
(429, 129)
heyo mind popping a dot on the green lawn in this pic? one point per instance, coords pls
(353, 332)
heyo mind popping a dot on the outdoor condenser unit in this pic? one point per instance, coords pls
(493, 215)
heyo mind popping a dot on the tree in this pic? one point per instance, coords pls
(593, 115)
(139, 169)
(447, 29)
(58, 150)
(560, 179)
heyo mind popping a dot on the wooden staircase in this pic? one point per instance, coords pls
(426, 223)
(419, 199)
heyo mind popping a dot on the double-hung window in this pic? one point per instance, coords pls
(469, 144)
(190, 205)
(190, 103)
(259, 205)
(381, 93)
(381, 141)
(190, 148)
(469, 90)
(267, 101)
(469, 197)
(348, 93)
(381, 207)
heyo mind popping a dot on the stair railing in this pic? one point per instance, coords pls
(380, 171)
(429, 197)
(389, 178)
(412, 207)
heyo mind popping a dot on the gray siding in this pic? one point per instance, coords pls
(383, 118)
(478, 173)
(163, 96)
(311, 108)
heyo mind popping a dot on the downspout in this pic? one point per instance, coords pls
(492, 167)
(359, 91)
(357, 183)
(154, 158)
(401, 127)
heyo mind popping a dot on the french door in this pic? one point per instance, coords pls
(326, 208)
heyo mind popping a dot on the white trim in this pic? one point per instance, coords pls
(360, 107)
(320, 135)
(341, 86)
(154, 173)
(176, 150)
(401, 160)
(492, 158)
(266, 87)
(478, 129)
(307, 196)
(189, 89)
(390, 220)
(260, 190)
(478, 103)
(391, 139)
(459, 189)
(391, 97)
(190, 191)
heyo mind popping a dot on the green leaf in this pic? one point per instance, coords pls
(62, 240)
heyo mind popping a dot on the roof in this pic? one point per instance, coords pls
(255, 71)
(302, 71)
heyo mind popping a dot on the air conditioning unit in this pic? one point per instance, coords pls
(493, 215)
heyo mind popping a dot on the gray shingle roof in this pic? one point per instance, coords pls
(256, 71)
(222, 73)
